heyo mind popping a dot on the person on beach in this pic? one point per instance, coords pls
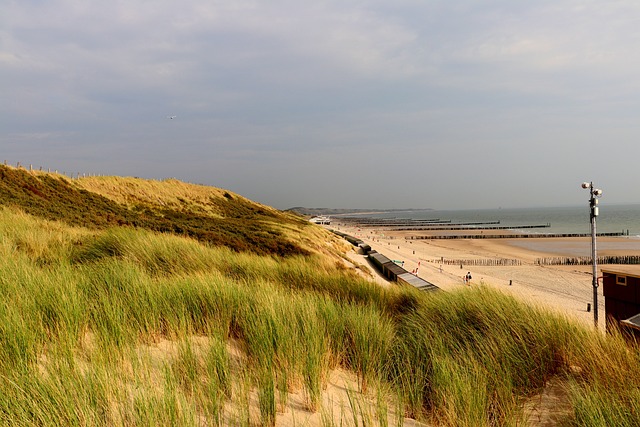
(467, 278)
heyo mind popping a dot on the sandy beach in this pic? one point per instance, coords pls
(567, 289)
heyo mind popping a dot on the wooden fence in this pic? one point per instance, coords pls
(71, 175)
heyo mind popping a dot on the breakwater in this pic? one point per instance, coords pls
(484, 262)
(470, 227)
(389, 269)
(386, 221)
(512, 236)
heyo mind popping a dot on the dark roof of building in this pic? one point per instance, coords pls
(633, 321)
(417, 282)
(627, 270)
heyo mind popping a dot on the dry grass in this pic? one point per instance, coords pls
(168, 193)
(133, 327)
(209, 215)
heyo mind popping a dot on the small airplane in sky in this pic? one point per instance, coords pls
(171, 117)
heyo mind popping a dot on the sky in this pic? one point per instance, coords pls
(452, 104)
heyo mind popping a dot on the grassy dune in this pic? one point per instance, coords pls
(131, 326)
(210, 215)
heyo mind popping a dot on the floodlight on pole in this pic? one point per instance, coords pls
(593, 209)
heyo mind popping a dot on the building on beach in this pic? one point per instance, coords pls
(621, 288)
(321, 220)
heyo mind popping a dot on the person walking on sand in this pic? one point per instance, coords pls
(467, 278)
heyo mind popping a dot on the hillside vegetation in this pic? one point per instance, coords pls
(207, 214)
(105, 325)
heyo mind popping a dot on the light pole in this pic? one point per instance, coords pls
(593, 205)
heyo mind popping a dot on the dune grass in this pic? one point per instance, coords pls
(209, 215)
(133, 327)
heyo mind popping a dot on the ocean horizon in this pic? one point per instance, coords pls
(564, 220)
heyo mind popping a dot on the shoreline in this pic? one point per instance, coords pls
(564, 289)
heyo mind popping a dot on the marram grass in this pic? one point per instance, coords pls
(130, 327)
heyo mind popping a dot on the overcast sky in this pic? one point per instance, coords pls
(449, 104)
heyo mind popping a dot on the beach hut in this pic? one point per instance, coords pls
(621, 288)
(378, 259)
(392, 270)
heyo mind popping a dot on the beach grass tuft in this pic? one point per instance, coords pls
(128, 326)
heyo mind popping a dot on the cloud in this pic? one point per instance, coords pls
(261, 88)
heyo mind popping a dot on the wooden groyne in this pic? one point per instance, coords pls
(387, 267)
(483, 262)
(440, 225)
(416, 225)
(512, 236)
(367, 220)
(398, 223)
(458, 224)
(624, 259)
(472, 227)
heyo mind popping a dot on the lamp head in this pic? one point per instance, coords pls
(597, 192)
(586, 185)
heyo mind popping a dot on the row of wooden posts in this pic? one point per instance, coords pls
(623, 259)
(511, 236)
(486, 262)
(498, 262)
(41, 169)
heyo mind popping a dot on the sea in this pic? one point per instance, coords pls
(570, 219)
